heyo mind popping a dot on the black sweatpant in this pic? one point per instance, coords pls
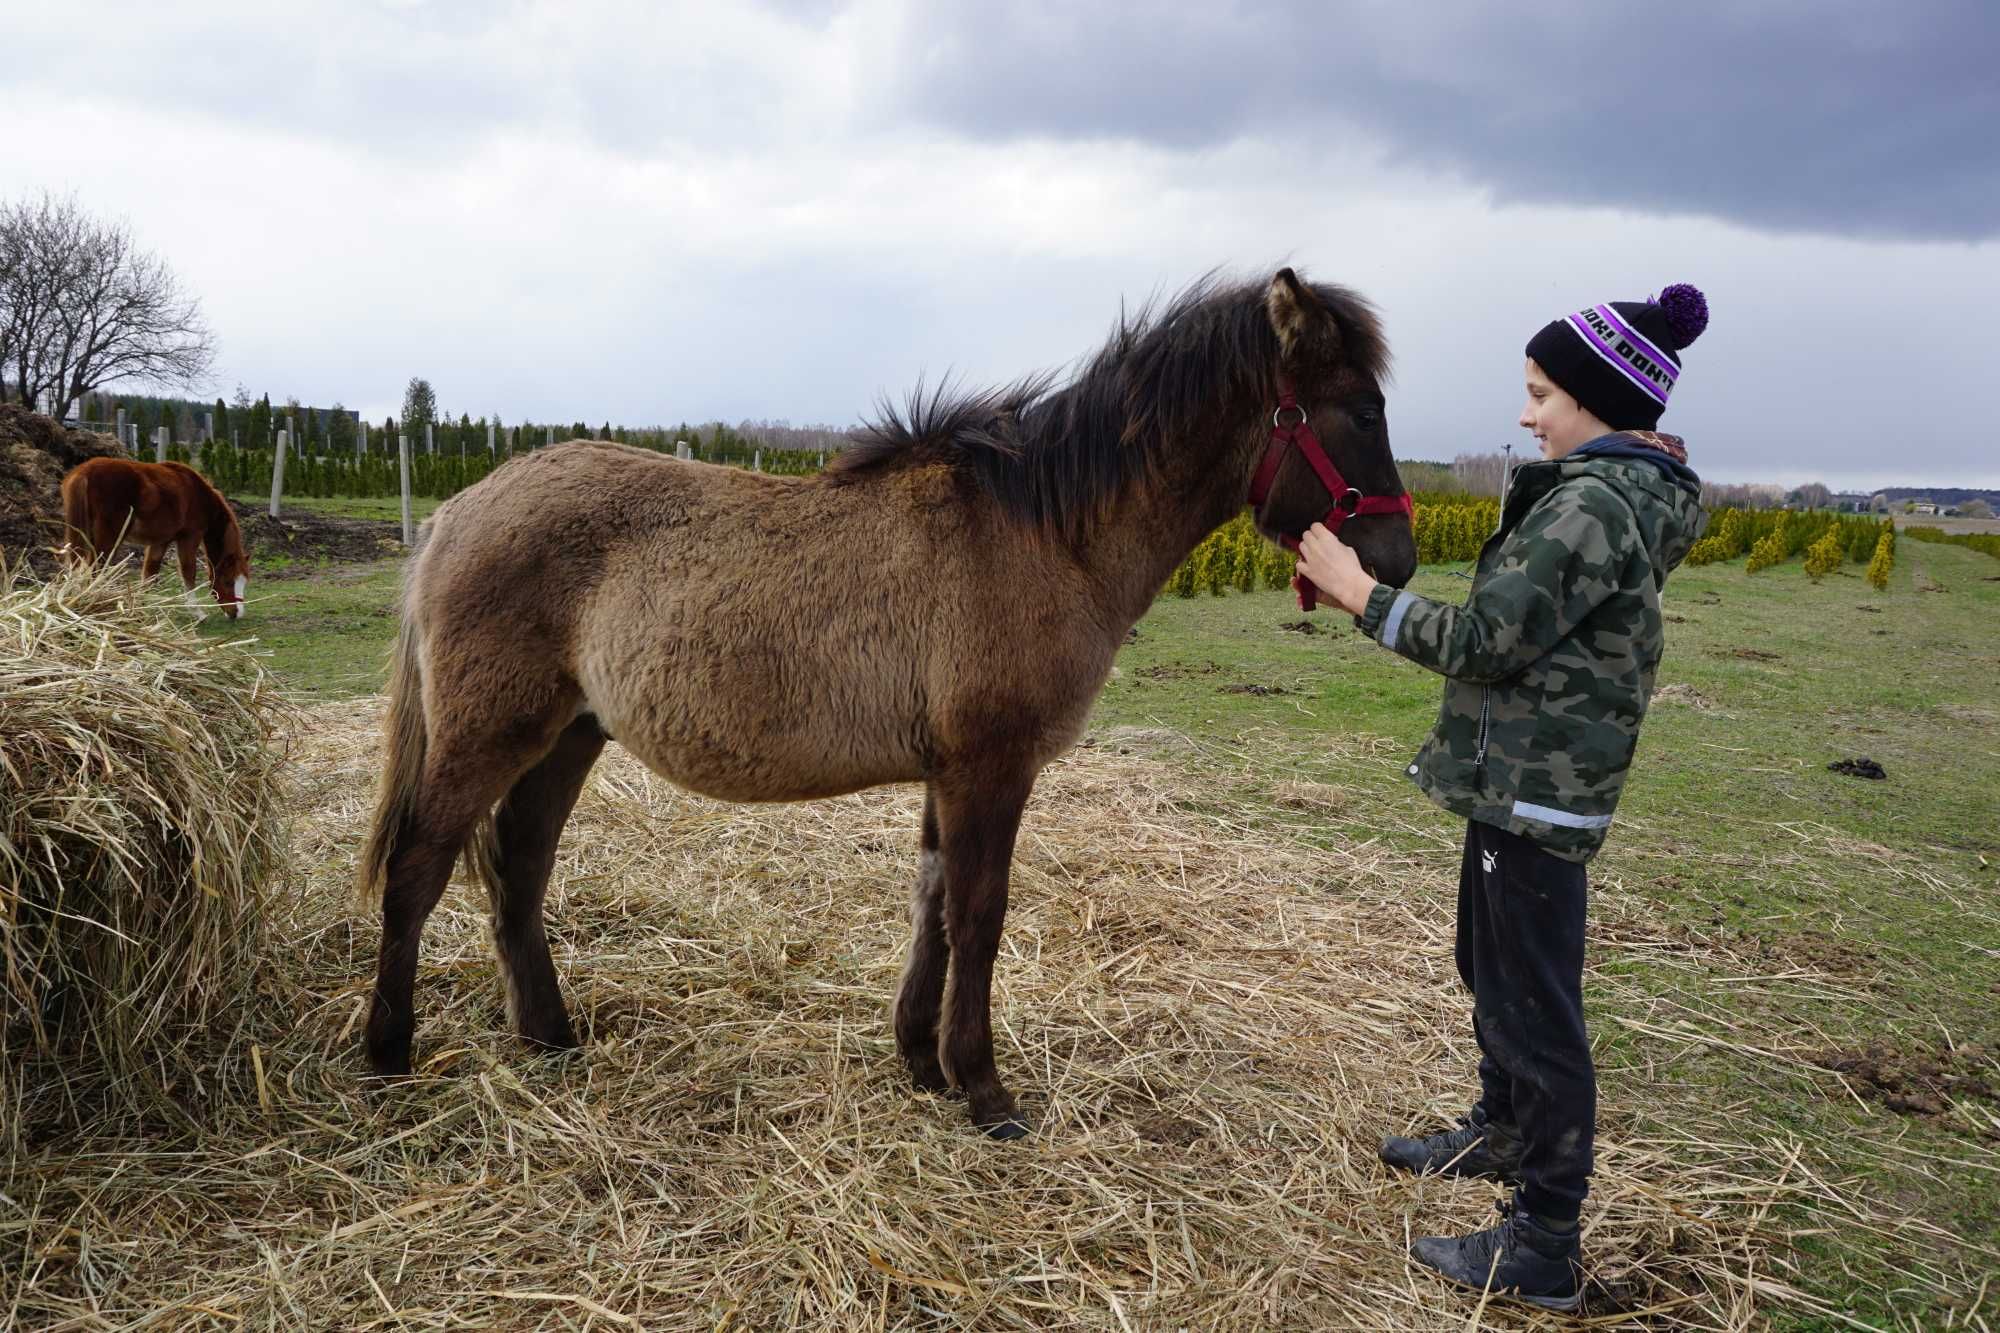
(1520, 952)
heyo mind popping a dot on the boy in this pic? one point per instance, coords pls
(1549, 668)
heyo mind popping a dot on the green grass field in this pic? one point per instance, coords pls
(1802, 914)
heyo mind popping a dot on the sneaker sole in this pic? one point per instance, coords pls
(1559, 1304)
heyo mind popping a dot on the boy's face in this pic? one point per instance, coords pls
(1559, 422)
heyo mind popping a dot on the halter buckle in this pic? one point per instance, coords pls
(1277, 417)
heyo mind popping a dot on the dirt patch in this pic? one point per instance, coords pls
(1685, 695)
(1301, 627)
(1814, 950)
(35, 452)
(1259, 690)
(1871, 610)
(1919, 1083)
(285, 547)
(1858, 768)
(1746, 654)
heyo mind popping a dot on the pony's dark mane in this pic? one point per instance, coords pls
(1050, 455)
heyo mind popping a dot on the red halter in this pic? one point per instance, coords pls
(1348, 501)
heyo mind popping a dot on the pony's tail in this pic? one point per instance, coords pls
(403, 767)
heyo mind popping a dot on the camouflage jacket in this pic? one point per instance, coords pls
(1551, 660)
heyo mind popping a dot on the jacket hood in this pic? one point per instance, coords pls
(1663, 492)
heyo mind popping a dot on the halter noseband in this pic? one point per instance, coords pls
(1348, 501)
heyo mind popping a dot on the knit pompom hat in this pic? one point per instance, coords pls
(1621, 360)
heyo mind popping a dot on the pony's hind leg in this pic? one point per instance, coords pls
(979, 819)
(462, 778)
(427, 844)
(527, 829)
(917, 1000)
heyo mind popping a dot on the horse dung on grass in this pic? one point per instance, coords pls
(940, 605)
(109, 500)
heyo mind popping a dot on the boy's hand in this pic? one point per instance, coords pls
(1332, 565)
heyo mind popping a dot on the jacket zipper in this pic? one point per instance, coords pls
(1479, 758)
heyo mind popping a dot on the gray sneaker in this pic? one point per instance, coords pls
(1477, 1149)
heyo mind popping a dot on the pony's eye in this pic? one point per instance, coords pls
(1368, 418)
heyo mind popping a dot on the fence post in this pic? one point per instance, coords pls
(491, 449)
(403, 449)
(160, 444)
(121, 428)
(430, 437)
(513, 440)
(291, 427)
(680, 448)
(757, 461)
(278, 470)
(361, 439)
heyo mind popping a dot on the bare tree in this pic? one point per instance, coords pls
(81, 306)
(1481, 474)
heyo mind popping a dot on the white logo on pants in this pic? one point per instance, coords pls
(1488, 860)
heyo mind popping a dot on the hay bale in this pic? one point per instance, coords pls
(35, 452)
(139, 820)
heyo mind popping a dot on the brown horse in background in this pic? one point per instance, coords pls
(941, 605)
(108, 500)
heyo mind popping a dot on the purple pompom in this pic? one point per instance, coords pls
(1686, 310)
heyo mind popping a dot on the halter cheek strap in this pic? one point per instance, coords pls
(1348, 501)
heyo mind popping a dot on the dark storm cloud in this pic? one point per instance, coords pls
(1850, 118)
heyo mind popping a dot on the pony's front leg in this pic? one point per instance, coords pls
(917, 1000)
(190, 571)
(156, 555)
(979, 818)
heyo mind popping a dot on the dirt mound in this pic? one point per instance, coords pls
(1920, 1083)
(1858, 768)
(299, 540)
(35, 452)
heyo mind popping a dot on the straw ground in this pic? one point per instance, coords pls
(1213, 1024)
(1226, 973)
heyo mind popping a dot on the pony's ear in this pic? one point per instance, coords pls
(1296, 314)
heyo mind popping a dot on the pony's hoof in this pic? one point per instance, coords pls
(1006, 1129)
(999, 1118)
(387, 1064)
(554, 1041)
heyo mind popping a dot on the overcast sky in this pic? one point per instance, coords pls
(648, 213)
